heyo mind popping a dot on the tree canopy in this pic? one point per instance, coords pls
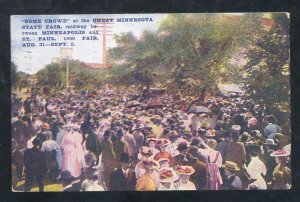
(267, 69)
(189, 49)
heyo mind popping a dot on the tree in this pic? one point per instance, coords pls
(54, 75)
(187, 52)
(23, 83)
(267, 68)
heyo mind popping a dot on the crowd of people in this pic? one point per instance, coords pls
(135, 141)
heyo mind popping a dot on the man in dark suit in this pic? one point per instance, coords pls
(35, 166)
(123, 178)
(200, 176)
(180, 159)
(17, 129)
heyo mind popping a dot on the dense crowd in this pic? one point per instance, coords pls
(137, 141)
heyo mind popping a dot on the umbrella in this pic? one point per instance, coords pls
(133, 103)
(199, 109)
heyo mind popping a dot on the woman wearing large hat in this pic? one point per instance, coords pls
(151, 142)
(167, 177)
(163, 143)
(149, 181)
(145, 154)
(282, 173)
(184, 173)
(269, 146)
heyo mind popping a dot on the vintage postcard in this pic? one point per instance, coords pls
(150, 102)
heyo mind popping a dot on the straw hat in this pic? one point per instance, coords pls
(184, 170)
(131, 117)
(230, 165)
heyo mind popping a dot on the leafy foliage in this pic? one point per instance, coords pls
(267, 69)
(54, 75)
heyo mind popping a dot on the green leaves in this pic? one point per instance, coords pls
(268, 66)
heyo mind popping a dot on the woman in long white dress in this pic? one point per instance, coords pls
(256, 169)
(71, 149)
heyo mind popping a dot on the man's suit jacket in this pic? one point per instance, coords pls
(118, 181)
(235, 151)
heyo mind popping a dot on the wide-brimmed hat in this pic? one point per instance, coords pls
(151, 138)
(125, 158)
(131, 117)
(167, 175)
(252, 121)
(163, 142)
(270, 142)
(184, 170)
(163, 161)
(155, 117)
(187, 129)
(145, 151)
(230, 165)
(236, 127)
(151, 164)
(279, 153)
(210, 133)
(204, 125)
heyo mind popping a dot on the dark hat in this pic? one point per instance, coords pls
(66, 175)
(107, 133)
(120, 133)
(125, 158)
(193, 152)
(254, 149)
(187, 136)
(245, 137)
(195, 141)
(36, 141)
(91, 172)
(234, 135)
(182, 146)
